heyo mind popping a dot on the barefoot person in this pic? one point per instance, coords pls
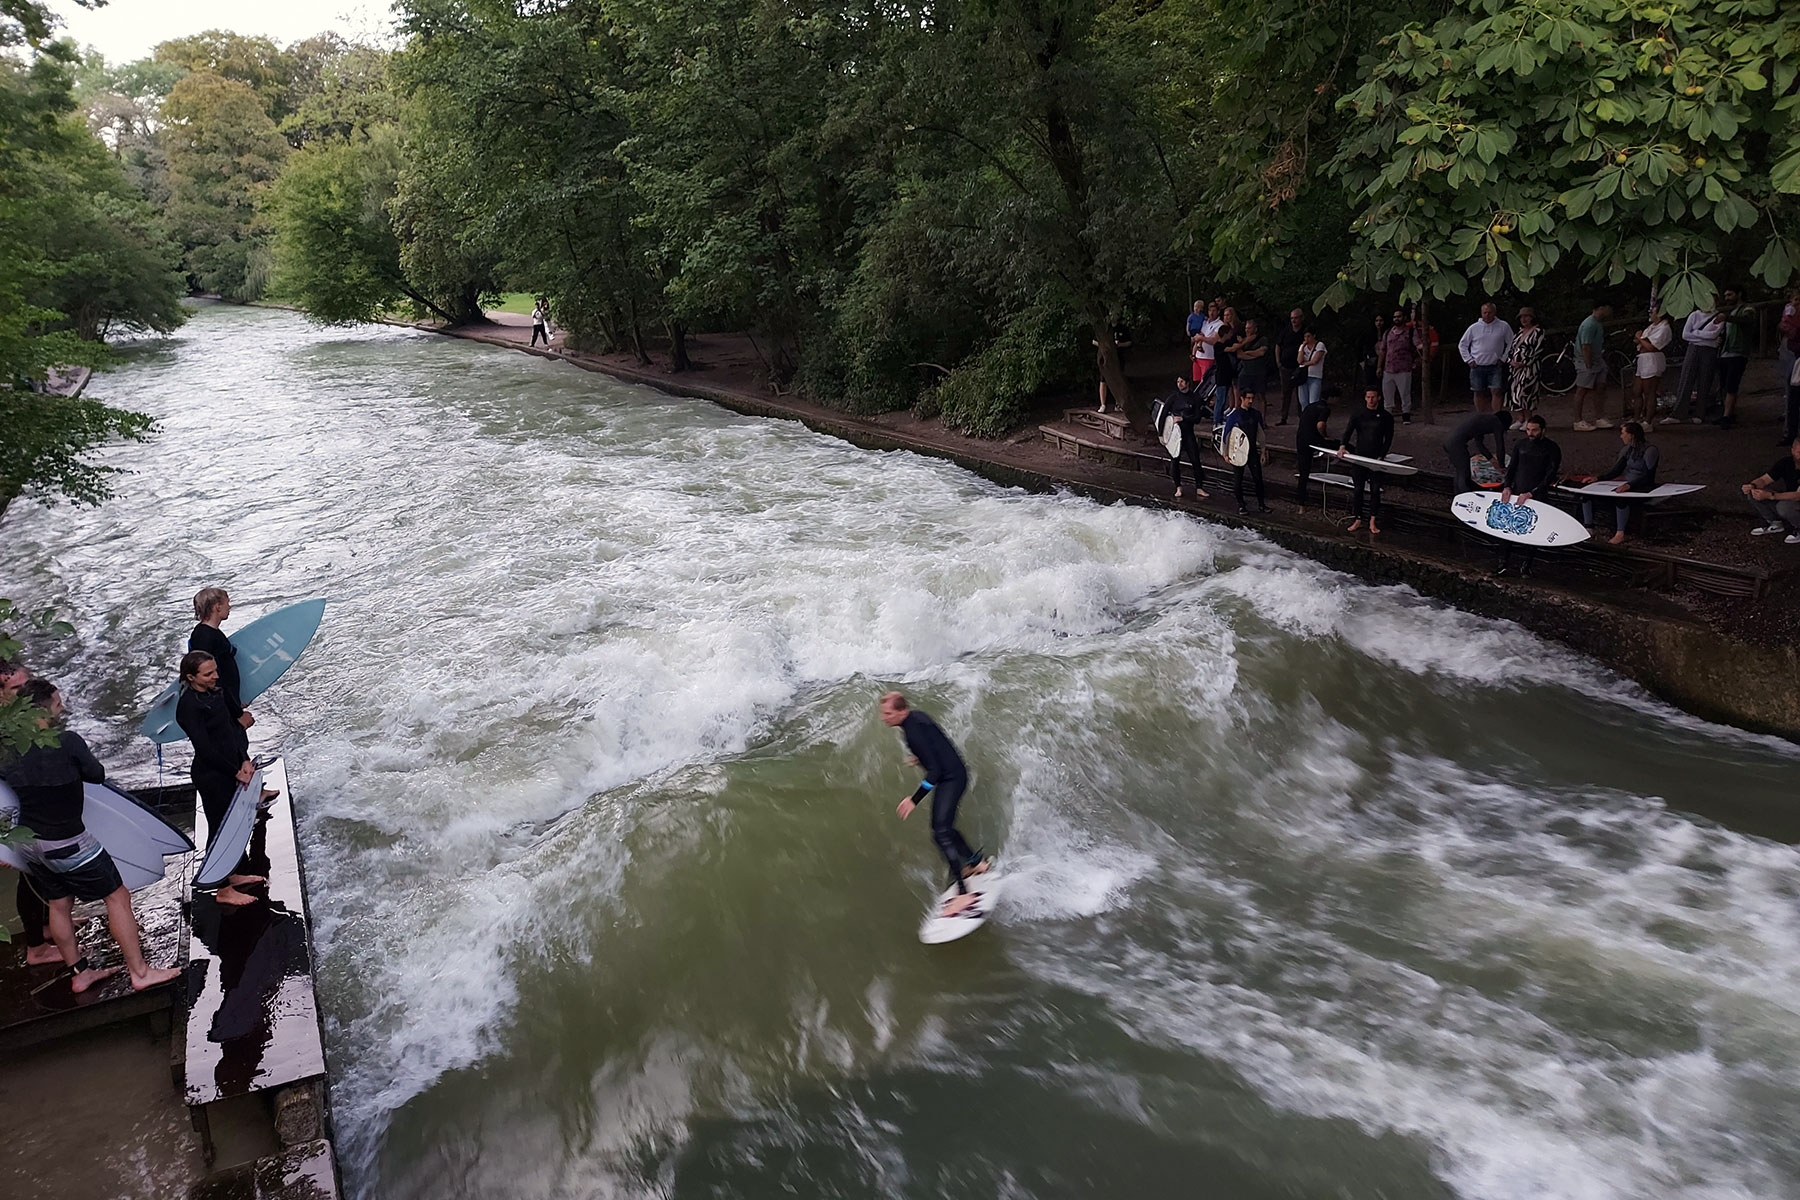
(211, 606)
(66, 863)
(946, 778)
(34, 917)
(221, 753)
(1370, 434)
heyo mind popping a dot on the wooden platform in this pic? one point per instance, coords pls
(253, 1022)
(1113, 424)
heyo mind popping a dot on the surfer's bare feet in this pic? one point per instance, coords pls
(980, 868)
(957, 904)
(86, 979)
(1617, 539)
(152, 977)
(1178, 493)
(1373, 527)
(268, 797)
(1200, 495)
(42, 956)
(1356, 526)
(233, 897)
(244, 880)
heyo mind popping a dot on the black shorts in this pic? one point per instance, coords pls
(95, 879)
(1731, 373)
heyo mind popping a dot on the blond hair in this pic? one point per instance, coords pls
(207, 599)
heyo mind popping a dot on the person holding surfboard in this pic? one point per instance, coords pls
(1369, 434)
(1179, 407)
(1312, 436)
(946, 779)
(211, 606)
(40, 951)
(221, 754)
(1636, 466)
(1246, 417)
(1536, 464)
(66, 863)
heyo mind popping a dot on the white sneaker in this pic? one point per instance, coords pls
(1603, 423)
(1583, 427)
(1695, 421)
(1517, 427)
(1669, 421)
(1762, 530)
(1792, 539)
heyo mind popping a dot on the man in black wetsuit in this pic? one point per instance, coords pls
(66, 863)
(221, 756)
(1179, 405)
(211, 606)
(1370, 433)
(946, 778)
(1536, 464)
(1311, 437)
(1475, 432)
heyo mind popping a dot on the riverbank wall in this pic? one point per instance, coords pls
(1680, 658)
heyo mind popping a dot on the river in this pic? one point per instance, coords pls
(1316, 889)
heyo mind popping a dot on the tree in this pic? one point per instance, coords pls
(1651, 138)
(335, 250)
(223, 151)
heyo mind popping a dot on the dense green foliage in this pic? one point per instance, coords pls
(83, 254)
(951, 206)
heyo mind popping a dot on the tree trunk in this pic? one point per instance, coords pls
(678, 355)
(1112, 373)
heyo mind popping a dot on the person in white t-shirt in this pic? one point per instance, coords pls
(1702, 331)
(1652, 340)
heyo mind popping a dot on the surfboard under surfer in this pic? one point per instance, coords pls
(946, 779)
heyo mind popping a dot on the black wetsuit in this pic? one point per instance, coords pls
(1475, 429)
(1307, 440)
(946, 778)
(220, 748)
(1535, 465)
(1251, 422)
(66, 861)
(1180, 406)
(215, 643)
(1370, 433)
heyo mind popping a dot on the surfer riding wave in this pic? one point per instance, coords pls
(946, 779)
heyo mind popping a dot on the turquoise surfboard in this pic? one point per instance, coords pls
(266, 648)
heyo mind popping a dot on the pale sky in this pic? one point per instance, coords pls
(127, 29)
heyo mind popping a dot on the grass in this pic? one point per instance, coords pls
(509, 302)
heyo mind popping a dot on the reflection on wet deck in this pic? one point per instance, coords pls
(253, 1023)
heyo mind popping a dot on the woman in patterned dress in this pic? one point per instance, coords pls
(1523, 357)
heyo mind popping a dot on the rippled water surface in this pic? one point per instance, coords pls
(1317, 889)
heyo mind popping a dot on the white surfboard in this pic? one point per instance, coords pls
(1386, 466)
(1606, 491)
(1332, 478)
(1234, 450)
(935, 930)
(1529, 524)
(226, 844)
(1171, 436)
(133, 836)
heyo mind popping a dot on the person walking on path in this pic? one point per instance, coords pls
(1475, 430)
(1703, 330)
(1287, 361)
(1523, 358)
(540, 322)
(1636, 468)
(1370, 434)
(1309, 439)
(1590, 370)
(1247, 418)
(1652, 340)
(66, 863)
(946, 779)
(1397, 357)
(1775, 495)
(1535, 467)
(1483, 347)
(1734, 352)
